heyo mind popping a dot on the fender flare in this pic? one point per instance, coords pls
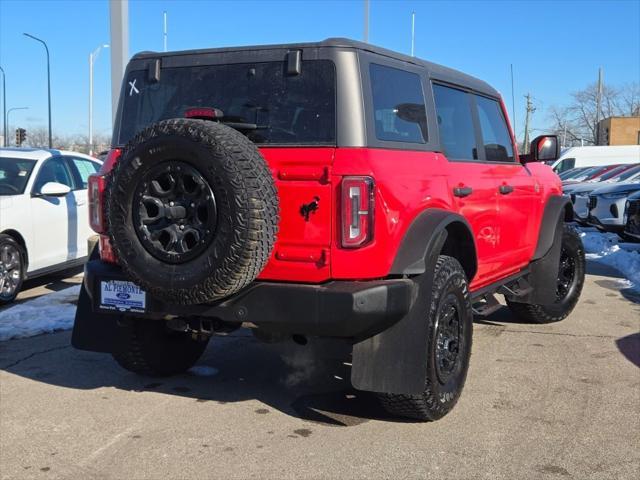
(428, 233)
(556, 208)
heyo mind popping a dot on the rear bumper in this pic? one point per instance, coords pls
(349, 309)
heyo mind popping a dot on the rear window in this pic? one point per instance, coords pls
(14, 175)
(287, 109)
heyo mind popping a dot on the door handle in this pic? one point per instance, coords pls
(81, 202)
(505, 189)
(462, 191)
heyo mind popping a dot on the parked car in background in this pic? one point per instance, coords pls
(632, 218)
(574, 172)
(606, 205)
(579, 192)
(590, 174)
(595, 156)
(44, 220)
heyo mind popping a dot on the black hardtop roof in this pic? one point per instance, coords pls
(435, 70)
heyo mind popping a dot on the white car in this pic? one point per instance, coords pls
(44, 220)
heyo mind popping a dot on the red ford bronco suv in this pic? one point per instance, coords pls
(330, 189)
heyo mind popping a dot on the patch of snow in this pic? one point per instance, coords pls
(203, 371)
(624, 257)
(46, 314)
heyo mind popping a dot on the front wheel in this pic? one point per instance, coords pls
(450, 325)
(12, 268)
(148, 347)
(569, 282)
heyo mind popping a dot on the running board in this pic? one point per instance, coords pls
(513, 287)
(486, 305)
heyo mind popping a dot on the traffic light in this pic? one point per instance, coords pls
(21, 135)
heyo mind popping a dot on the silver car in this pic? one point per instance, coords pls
(607, 205)
(579, 192)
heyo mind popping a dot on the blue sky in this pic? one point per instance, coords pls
(555, 46)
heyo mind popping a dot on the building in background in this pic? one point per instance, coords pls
(619, 131)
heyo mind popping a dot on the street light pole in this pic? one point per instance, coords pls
(6, 120)
(92, 58)
(48, 81)
(4, 107)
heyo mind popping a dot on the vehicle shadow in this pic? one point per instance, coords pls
(629, 346)
(309, 382)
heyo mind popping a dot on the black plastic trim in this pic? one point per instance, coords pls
(422, 237)
(347, 309)
(553, 210)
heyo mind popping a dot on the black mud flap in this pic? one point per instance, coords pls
(543, 273)
(93, 331)
(395, 361)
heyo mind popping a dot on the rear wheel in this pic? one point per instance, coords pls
(148, 347)
(569, 282)
(11, 268)
(450, 321)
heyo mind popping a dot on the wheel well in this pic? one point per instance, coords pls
(459, 245)
(20, 239)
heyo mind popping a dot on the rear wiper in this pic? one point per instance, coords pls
(244, 126)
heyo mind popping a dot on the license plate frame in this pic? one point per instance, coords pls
(122, 296)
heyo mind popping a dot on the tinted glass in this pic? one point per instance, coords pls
(83, 168)
(14, 175)
(566, 164)
(287, 109)
(53, 170)
(455, 123)
(628, 174)
(398, 105)
(495, 133)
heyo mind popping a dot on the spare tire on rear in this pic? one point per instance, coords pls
(191, 210)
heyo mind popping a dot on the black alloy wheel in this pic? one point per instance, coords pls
(448, 331)
(174, 212)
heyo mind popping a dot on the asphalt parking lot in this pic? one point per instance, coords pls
(541, 401)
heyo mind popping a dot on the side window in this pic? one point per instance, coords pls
(455, 122)
(53, 170)
(82, 168)
(566, 164)
(495, 133)
(398, 105)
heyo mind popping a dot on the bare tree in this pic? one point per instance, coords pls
(577, 122)
(630, 99)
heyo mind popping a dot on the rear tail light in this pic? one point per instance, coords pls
(106, 252)
(96, 200)
(357, 211)
(96, 188)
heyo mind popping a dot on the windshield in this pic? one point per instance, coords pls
(14, 175)
(627, 174)
(568, 174)
(283, 109)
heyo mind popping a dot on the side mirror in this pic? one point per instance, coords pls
(544, 148)
(54, 189)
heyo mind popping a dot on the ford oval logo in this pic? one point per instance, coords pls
(123, 296)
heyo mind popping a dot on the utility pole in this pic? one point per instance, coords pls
(366, 21)
(413, 33)
(164, 30)
(530, 110)
(598, 106)
(119, 25)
